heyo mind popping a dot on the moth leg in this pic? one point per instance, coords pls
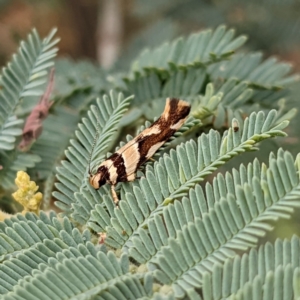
(152, 159)
(114, 195)
(102, 237)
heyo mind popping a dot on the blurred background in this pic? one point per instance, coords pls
(111, 33)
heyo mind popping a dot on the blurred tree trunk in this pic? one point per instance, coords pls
(110, 31)
(85, 17)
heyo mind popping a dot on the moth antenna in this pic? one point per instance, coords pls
(94, 143)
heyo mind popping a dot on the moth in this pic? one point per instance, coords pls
(123, 164)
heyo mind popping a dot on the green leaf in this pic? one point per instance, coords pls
(234, 221)
(20, 78)
(199, 49)
(172, 177)
(84, 278)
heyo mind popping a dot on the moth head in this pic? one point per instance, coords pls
(97, 180)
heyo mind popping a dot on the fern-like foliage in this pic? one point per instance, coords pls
(151, 89)
(200, 49)
(20, 79)
(10, 130)
(23, 232)
(26, 241)
(84, 278)
(237, 82)
(26, 72)
(172, 177)
(63, 120)
(269, 79)
(78, 83)
(181, 228)
(12, 162)
(234, 222)
(268, 74)
(263, 273)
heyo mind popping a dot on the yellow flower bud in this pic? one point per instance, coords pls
(26, 195)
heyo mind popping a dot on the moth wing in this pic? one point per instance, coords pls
(131, 157)
(130, 154)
